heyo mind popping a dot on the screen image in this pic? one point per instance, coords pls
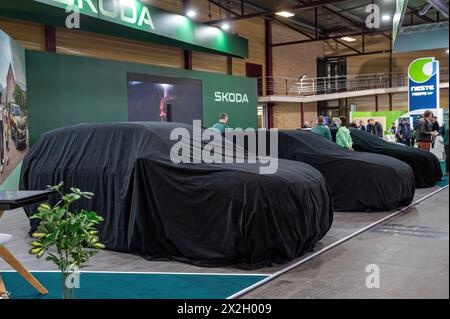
(164, 99)
(14, 141)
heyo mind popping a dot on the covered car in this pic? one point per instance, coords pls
(206, 214)
(358, 181)
(425, 165)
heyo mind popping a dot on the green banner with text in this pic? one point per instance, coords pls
(129, 19)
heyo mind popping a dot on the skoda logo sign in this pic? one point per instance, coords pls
(130, 12)
(230, 97)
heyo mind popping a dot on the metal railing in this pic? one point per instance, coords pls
(337, 84)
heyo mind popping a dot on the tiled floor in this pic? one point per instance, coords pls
(411, 251)
(413, 261)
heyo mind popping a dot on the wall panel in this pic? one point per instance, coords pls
(288, 116)
(82, 43)
(29, 35)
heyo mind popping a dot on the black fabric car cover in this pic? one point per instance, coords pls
(206, 214)
(425, 165)
(358, 181)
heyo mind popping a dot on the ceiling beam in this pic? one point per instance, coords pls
(294, 28)
(358, 54)
(336, 37)
(221, 6)
(320, 38)
(423, 17)
(347, 46)
(272, 12)
(293, 22)
(354, 23)
(273, 17)
(318, 35)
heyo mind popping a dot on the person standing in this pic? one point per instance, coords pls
(426, 133)
(6, 135)
(321, 129)
(332, 123)
(306, 125)
(436, 128)
(343, 137)
(404, 132)
(222, 125)
(378, 129)
(2, 147)
(446, 147)
(393, 129)
(371, 127)
(361, 126)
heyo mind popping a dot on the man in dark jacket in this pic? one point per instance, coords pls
(426, 133)
(404, 132)
(379, 129)
(370, 128)
(361, 126)
(436, 128)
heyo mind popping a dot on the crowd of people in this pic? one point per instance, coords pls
(423, 133)
(343, 137)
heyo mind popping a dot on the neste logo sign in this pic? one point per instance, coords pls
(129, 12)
(423, 76)
(229, 97)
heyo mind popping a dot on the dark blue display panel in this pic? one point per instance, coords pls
(164, 99)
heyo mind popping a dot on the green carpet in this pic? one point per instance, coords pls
(444, 181)
(134, 286)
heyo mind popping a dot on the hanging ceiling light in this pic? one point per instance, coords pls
(285, 14)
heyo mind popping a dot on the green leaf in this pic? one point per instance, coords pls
(36, 244)
(99, 246)
(35, 251)
(57, 187)
(38, 235)
(42, 229)
(44, 208)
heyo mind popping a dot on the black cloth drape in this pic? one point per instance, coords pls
(358, 181)
(425, 165)
(206, 214)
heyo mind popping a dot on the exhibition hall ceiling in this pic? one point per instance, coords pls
(335, 17)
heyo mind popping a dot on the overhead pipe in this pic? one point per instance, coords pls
(425, 9)
(440, 6)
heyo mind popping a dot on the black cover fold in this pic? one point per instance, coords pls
(425, 165)
(206, 214)
(358, 181)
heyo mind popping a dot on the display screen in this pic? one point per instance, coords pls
(163, 99)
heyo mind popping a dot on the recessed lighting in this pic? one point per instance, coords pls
(446, 51)
(191, 14)
(348, 39)
(225, 26)
(386, 17)
(285, 14)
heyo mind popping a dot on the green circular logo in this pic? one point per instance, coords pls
(421, 70)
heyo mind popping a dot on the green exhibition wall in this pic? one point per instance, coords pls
(65, 90)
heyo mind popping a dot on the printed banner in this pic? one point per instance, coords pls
(13, 106)
(423, 87)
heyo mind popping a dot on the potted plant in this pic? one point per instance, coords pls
(68, 238)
